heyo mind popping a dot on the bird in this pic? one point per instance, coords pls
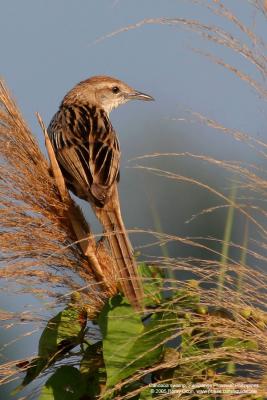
(87, 149)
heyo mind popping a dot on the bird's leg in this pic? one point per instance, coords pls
(101, 241)
(104, 237)
(106, 233)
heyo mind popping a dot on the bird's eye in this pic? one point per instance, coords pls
(115, 89)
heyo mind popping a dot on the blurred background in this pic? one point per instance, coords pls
(49, 46)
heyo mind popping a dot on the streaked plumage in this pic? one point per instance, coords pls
(88, 152)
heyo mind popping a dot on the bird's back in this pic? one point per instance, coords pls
(87, 149)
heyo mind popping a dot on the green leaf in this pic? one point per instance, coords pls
(243, 344)
(120, 327)
(65, 330)
(128, 345)
(61, 334)
(152, 283)
(93, 369)
(66, 383)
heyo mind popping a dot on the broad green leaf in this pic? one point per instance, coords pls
(64, 330)
(66, 383)
(128, 345)
(120, 326)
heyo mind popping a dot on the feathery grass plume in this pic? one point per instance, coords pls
(37, 242)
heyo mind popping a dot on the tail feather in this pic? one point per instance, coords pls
(110, 217)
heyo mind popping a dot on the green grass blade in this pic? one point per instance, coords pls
(226, 239)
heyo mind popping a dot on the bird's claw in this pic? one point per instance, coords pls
(101, 241)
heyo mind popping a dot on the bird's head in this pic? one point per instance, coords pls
(105, 92)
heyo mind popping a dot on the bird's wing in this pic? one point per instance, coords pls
(89, 159)
(104, 162)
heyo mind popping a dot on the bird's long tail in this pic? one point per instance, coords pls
(130, 281)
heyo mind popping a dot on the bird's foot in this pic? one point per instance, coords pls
(101, 241)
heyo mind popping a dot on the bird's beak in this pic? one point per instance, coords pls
(135, 95)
